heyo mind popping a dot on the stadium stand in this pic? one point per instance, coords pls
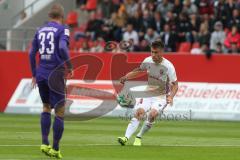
(179, 23)
(193, 23)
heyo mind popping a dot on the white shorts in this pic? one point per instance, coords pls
(159, 103)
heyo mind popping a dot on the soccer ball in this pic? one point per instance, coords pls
(126, 99)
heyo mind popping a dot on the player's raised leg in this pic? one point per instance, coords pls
(132, 126)
(147, 125)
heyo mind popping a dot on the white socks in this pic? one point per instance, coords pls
(132, 127)
(146, 126)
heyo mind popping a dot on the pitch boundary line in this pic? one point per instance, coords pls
(88, 145)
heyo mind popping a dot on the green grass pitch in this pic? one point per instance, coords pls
(96, 140)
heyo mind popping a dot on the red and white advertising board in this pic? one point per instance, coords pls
(213, 101)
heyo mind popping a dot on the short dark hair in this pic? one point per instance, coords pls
(157, 44)
(56, 11)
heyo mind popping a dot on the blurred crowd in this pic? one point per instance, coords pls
(208, 25)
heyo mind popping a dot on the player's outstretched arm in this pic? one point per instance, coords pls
(131, 75)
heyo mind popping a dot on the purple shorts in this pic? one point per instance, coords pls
(52, 91)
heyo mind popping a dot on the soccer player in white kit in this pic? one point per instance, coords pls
(161, 89)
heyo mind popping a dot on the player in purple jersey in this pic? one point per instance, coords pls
(51, 41)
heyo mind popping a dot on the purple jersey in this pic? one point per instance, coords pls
(51, 41)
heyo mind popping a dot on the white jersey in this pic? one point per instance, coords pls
(159, 75)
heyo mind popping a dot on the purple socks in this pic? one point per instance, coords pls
(45, 126)
(58, 127)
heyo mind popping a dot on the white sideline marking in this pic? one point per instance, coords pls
(85, 145)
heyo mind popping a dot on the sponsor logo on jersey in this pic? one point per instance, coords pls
(66, 32)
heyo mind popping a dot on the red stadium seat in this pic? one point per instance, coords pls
(79, 43)
(91, 5)
(91, 43)
(72, 18)
(196, 45)
(81, 28)
(185, 47)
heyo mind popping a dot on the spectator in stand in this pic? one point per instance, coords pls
(219, 48)
(209, 21)
(233, 37)
(147, 21)
(85, 47)
(107, 8)
(97, 47)
(104, 32)
(205, 7)
(184, 28)
(142, 5)
(234, 48)
(136, 20)
(151, 35)
(204, 34)
(144, 46)
(119, 20)
(171, 20)
(130, 7)
(169, 39)
(94, 25)
(131, 34)
(229, 6)
(235, 20)
(218, 36)
(188, 20)
(219, 11)
(177, 8)
(158, 22)
(189, 7)
(164, 7)
(150, 7)
(195, 24)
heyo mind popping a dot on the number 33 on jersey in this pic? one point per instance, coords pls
(47, 37)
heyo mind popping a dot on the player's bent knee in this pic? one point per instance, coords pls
(153, 115)
(59, 111)
(140, 113)
(46, 108)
